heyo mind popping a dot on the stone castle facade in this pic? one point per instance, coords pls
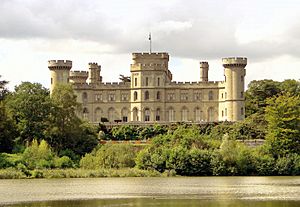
(151, 96)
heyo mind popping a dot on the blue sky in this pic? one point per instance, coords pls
(267, 32)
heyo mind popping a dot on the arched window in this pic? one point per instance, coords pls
(124, 113)
(147, 95)
(210, 114)
(197, 114)
(184, 114)
(135, 81)
(157, 115)
(158, 81)
(84, 97)
(158, 95)
(85, 113)
(98, 114)
(147, 81)
(111, 114)
(171, 114)
(147, 114)
(210, 95)
(135, 96)
(135, 114)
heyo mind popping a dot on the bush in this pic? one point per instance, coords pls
(63, 162)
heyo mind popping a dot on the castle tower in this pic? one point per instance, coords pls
(94, 73)
(60, 70)
(204, 71)
(149, 74)
(234, 69)
(78, 77)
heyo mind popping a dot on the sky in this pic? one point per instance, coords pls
(32, 32)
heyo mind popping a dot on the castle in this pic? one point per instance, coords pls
(150, 95)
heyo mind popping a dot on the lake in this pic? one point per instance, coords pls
(172, 191)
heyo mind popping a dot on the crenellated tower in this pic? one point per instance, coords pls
(94, 73)
(149, 75)
(60, 70)
(204, 67)
(234, 70)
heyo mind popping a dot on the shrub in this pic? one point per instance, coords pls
(63, 162)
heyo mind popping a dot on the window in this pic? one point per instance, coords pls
(242, 94)
(222, 113)
(242, 111)
(124, 119)
(125, 113)
(124, 97)
(147, 95)
(184, 114)
(98, 114)
(147, 114)
(84, 97)
(98, 97)
(210, 95)
(51, 81)
(242, 78)
(158, 81)
(135, 81)
(197, 96)
(158, 95)
(184, 96)
(222, 95)
(171, 114)
(85, 113)
(157, 117)
(111, 114)
(225, 111)
(225, 78)
(211, 114)
(225, 95)
(135, 96)
(147, 81)
(171, 96)
(111, 97)
(197, 114)
(135, 114)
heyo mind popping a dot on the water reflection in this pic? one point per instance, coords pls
(178, 191)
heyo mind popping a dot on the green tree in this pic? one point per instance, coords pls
(65, 129)
(257, 93)
(3, 90)
(29, 106)
(283, 117)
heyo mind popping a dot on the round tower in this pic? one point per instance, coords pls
(234, 69)
(60, 71)
(204, 67)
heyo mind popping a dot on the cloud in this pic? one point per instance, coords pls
(197, 29)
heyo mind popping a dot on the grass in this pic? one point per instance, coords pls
(12, 173)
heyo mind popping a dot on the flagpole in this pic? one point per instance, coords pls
(150, 42)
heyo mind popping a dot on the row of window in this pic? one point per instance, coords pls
(184, 96)
(147, 81)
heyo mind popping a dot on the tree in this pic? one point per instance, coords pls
(65, 129)
(283, 117)
(29, 106)
(3, 89)
(257, 94)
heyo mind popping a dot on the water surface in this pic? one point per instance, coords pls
(176, 191)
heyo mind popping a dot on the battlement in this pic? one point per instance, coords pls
(175, 83)
(60, 64)
(234, 61)
(94, 65)
(78, 73)
(161, 55)
(203, 63)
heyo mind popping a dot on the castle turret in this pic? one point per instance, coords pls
(235, 72)
(78, 77)
(60, 70)
(204, 67)
(94, 73)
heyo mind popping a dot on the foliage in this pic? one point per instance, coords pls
(3, 90)
(63, 162)
(283, 117)
(38, 155)
(109, 156)
(30, 107)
